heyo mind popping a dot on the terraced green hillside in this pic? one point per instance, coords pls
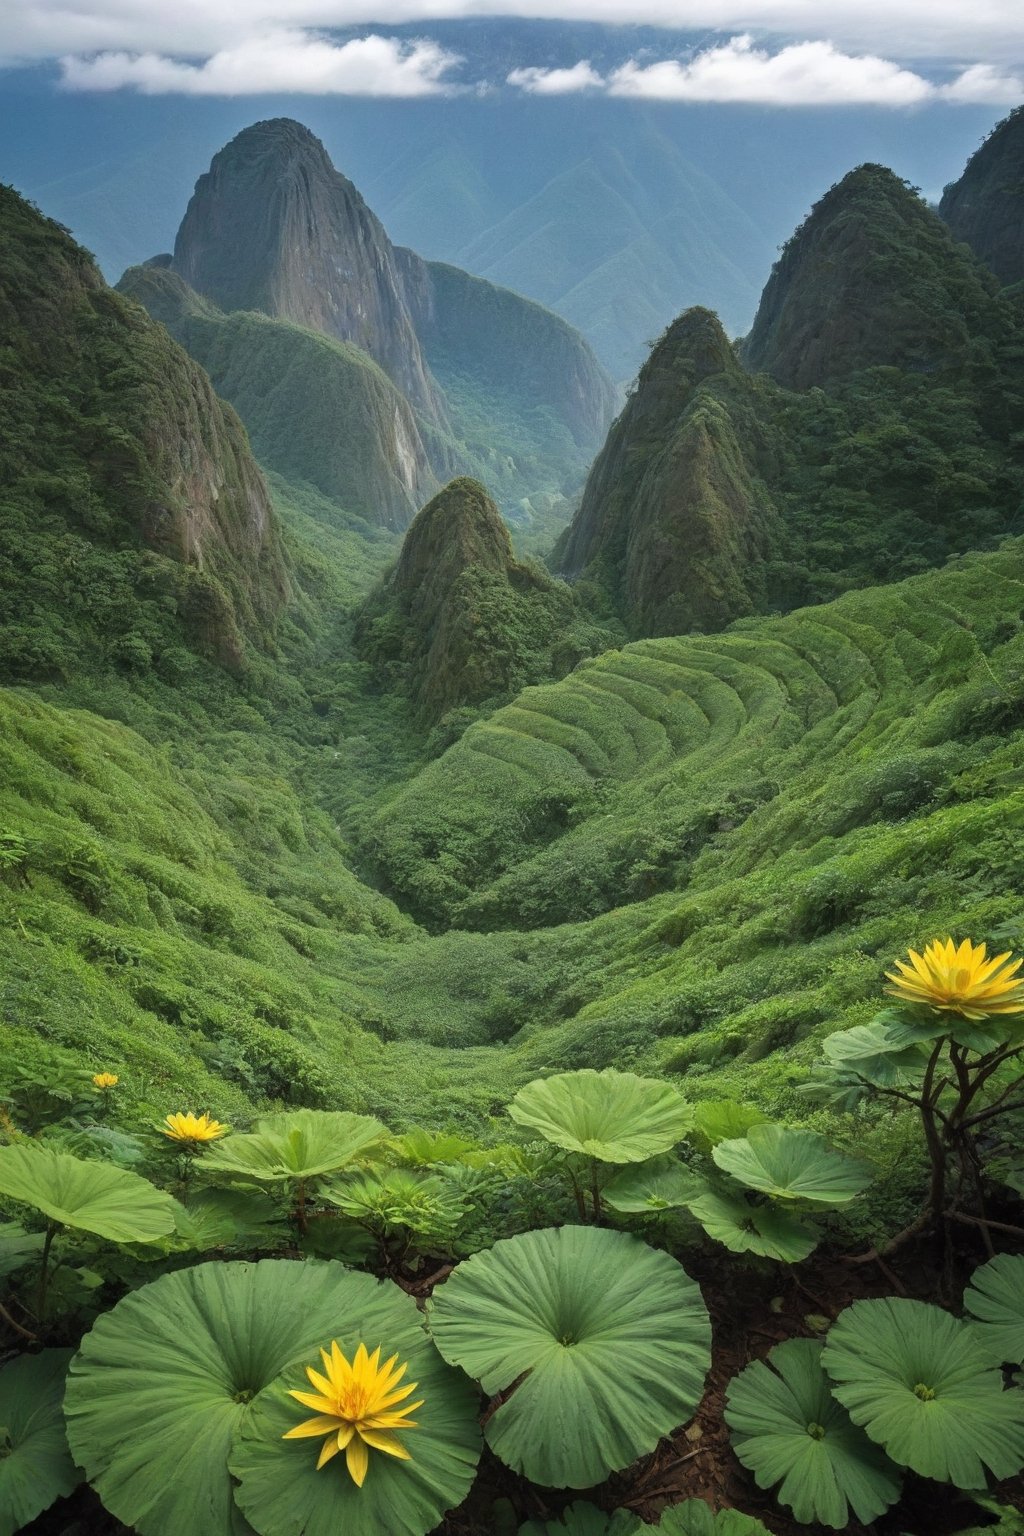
(718, 841)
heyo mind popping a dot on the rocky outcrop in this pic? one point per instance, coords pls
(985, 208)
(317, 410)
(871, 278)
(123, 437)
(272, 226)
(460, 619)
(674, 518)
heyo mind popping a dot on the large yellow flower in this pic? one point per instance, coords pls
(355, 1407)
(193, 1128)
(105, 1079)
(960, 980)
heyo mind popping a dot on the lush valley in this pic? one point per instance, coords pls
(421, 924)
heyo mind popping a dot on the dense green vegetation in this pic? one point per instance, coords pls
(545, 1011)
(891, 442)
(460, 621)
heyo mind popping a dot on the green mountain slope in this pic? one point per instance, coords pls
(317, 410)
(701, 849)
(871, 278)
(891, 444)
(460, 620)
(136, 521)
(984, 207)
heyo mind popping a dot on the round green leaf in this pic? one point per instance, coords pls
(788, 1430)
(695, 1518)
(601, 1343)
(165, 1379)
(922, 1386)
(613, 1116)
(586, 1520)
(35, 1463)
(95, 1197)
(761, 1229)
(281, 1492)
(792, 1165)
(995, 1297)
(720, 1119)
(869, 1051)
(301, 1144)
(660, 1185)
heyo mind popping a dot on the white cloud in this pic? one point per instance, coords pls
(284, 61)
(804, 74)
(988, 30)
(800, 75)
(557, 82)
(985, 84)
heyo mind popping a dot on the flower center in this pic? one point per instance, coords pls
(926, 1394)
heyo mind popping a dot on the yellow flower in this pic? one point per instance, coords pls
(105, 1079)
(355, 1407)
(193, 1128)
(960, 980)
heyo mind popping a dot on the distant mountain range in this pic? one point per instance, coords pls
(616, 214)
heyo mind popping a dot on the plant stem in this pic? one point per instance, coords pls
(595, 1189)
(44, 1272)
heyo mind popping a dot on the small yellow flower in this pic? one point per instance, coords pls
(105, 1079)
(960, 980)
(193, 1128)
(355, 1407)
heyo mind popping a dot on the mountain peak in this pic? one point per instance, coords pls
(272, 226)
(985, 208)
(871, 278)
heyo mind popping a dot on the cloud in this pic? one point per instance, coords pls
(804, 74)
(284, 61)
(991, 30)
(557, 82)
(984, 84)
(800, 75)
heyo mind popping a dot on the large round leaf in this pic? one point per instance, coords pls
(792, 1164)
(35, 1464)
(616, 1117)
(761, 1229)
(164, 1381)
(716, 1120)
(280, 1490)
(922, 1386)
(868, 1050)
(662, 1184)
(300, 1144)
(586, 1520)
(995, 1297)
(96, 1197)
(789, 1430)
(601, 1343)
(695, 1518)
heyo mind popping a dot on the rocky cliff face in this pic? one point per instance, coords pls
(316, 409)
(460, 620)
(501, 387)
(272, 226)
(119, 438)
(985, 208)
(872, 277)
(674, 518)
